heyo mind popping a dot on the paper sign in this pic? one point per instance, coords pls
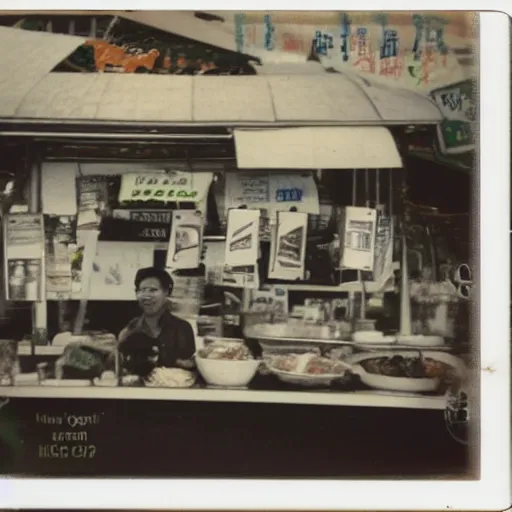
(242, 237)
(92, 200)
(58, 189)
(249, 189)
(274, 300)
(272, 192)
(185, 241)
(114, 269)
(359, 238)
(82, 260)
(60, 244)
(288, 247)
(175, 186)
(24, 236)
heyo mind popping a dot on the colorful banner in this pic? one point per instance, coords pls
(411, 50)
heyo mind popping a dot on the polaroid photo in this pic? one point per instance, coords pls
(255, 259)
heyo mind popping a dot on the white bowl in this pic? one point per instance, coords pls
(412, 385)
(227, 373)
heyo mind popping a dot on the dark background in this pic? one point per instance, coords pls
(229, 440)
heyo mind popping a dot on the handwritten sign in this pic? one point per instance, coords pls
(269, 33)
(176, 186)
(247, 189)
(68, 436)
(390, 44)
(240, 31)
(345, 37)
(322, 43)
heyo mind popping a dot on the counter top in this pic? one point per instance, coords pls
(365, 398)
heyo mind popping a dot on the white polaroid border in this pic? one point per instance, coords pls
(492, 492)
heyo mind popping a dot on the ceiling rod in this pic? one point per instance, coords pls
(115, 136)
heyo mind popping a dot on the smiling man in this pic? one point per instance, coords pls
(157, 337)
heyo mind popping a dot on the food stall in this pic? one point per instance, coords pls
(276, 203)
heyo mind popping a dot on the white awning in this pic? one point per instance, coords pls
(359, 147)
(27, 58)
(34, 93)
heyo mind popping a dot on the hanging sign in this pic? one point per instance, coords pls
(359, 238)
(457, 103)
(173, 186)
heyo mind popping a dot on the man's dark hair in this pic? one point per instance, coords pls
(163, 277)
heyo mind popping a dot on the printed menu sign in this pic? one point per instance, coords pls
(359, 238)
(60, 244)
(24, 249)
(175, 186)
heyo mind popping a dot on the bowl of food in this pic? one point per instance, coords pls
(407, 371)
(309, 370)
(226, 364)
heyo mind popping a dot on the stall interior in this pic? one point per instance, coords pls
(289, 278)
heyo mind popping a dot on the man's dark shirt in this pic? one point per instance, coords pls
(175, 341)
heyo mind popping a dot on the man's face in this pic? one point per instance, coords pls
(151, 296)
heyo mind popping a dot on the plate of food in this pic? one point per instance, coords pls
(407, 371)
(310, 370)
(170, 378)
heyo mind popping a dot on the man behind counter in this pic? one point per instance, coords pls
(157, 337)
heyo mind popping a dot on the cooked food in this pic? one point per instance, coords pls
(170, 378)
(307, 364)
(230, 352)
(407, 367)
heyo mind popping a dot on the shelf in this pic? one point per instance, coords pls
(330, 398)
(43, 350)
(52, 350)
(370, 287)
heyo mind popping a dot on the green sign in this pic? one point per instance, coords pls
(457, 103)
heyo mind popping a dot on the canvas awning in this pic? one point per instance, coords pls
(30, 92)
(220, 100)
(355, 147)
